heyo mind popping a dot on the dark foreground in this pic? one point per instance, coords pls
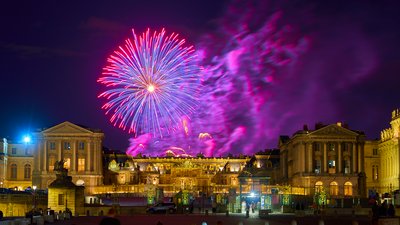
(179, 219)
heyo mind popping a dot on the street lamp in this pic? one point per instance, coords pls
(27, 139)
(34, 197)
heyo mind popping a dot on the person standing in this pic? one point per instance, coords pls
(110, 218)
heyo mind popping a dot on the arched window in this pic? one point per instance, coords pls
(27, 171)
(318, 186)
(13, 171)
(348, 189)
(333, 188)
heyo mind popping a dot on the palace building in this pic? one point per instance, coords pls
(330, 160)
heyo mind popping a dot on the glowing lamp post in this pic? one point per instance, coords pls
(27, 139)
(34, 197)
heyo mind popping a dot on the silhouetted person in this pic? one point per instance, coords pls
(110, 219)
(390, 211)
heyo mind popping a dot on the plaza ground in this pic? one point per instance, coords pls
(233, 219)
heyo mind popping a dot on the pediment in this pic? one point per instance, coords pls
(66, 128)
(334, 130)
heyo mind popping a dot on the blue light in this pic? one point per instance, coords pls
(27, 139)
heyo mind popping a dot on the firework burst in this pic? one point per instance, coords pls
(151, 83)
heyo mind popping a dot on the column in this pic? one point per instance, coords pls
(307, 159)
(40, 154)
(94, 157)
(45, 167)
(89, 155)
(337, 144)
(100, 155)
(73, 160)
(361, 156)
(339, 161)
(311, 156)
(325, 158)
(354, 158)
(59, 149)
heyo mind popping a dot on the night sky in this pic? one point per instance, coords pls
(341, 63)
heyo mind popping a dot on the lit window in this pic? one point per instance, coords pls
(14, 171)
(81, 164)
(27, 171)
(52, 161)
(67, 163)
(332, 166)
(348, 189)
(375, 172)
(318, 186)
(334, 188)
(347, 166)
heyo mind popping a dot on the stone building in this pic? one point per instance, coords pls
(81, 149)
(16, 162)
(330, 158)
(389, 171)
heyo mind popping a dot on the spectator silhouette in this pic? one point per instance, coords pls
(110, 219)
(391, 211)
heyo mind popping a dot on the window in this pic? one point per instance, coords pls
(14, 151)
(27, 151)
(27, 171)
(52, 161)
(81, 145)
(375, 172)
(316, 146)
(345, 146)
(13, 171)
(67, 146)
(319, 186)
(60, 199)
(81, 164)
(317, 168)
(374, 151)
(348, 189)
(331, 147)
(333, 188)
(347, 166)
(332, 166)
(52, 145)
(67, 163)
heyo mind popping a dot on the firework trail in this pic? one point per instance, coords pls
(151, 83)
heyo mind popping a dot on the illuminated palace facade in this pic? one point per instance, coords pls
(331, 159)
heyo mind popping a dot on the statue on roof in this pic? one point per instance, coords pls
(59, 168)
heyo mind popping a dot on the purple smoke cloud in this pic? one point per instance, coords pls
(262, 77)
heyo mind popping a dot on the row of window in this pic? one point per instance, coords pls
(14, 151)
(27, 171)
(67, 145)
(332, 166)
(334, 188)
(67, 164)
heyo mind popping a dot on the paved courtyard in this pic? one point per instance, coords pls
(179, 219)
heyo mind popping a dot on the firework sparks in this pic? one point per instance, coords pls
(152, 83)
